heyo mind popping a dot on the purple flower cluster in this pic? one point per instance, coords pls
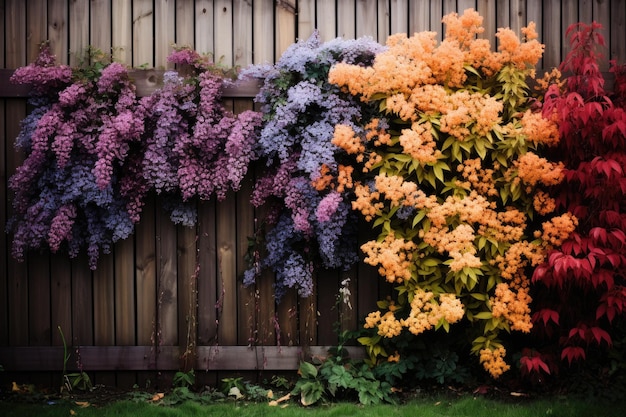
(301, 110)
(94, 151)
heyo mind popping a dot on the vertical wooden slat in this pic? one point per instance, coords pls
(104, 302)
(167, 308)
(242, 33)
(327, 313)
(124, 292)
(419, 16)
(58, 29)
(346, 22)
(617, 32)
(146, 284)
(82, 303)
(143, 36)
(39, 300)
(204, 27)
(246, 298)
(38, 323)
(100, 25)
(164, 31)
(287, 319)
(400, 16)
(517, 11)
(325, 19)
(122, 28)
(383, 22)
(5, 151)
(366, 18)
(285, 31)
(486, 8)
(436, 13)
(227, 267)
(463, 5)
(104, 310)
(78, 30)
(306, 18)
(503, 15)
(17, 286)
(263, 29)
(185, 15)
(61, 297)
(36, 27)
(222, 24)
(602, 15)
(207, 276)
(569, 10)
(187, 310)
(551, 34)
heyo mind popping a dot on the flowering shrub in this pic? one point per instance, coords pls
(449, 170)
(581, 286)
(94, 151)
(68, 191)
(310, 227)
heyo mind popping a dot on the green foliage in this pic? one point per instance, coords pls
(184, 379)
(339, 378)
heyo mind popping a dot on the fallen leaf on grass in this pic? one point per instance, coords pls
(158, 396)
(280, 400)
(82, 404)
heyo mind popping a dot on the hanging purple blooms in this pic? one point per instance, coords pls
(307, 230)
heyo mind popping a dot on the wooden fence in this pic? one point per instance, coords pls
(146, 312)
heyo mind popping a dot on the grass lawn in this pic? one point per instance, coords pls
(462, 406)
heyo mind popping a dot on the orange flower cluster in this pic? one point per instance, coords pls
(533, 170)
(367, 201)
(426, 312)
(394, 258)
(387, 324)
(418, 60)
(479, 179)
(493, 361)
(346, 139)
(513, 263)
(543, 203)
(558, 228)
(419, 143)
(538, 129)
(513, 306)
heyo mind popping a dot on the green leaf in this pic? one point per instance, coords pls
(307, 370)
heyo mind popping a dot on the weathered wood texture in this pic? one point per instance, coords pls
(169, 297)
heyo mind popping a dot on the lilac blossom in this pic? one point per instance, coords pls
(301, 109)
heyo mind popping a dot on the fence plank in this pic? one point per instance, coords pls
(104, 301)
(325, 19)
(145, 276)
(207, 276)
(551, 34)
(242, 33)
(185, 24)
(263, 28)
(602, 15)
(227, 270)
(82, 305)
(346, 24)
(39, 299)
(306, 23)
(142, 33)
(36, 27)
(617, 31)
(399, 15)
(100, 25)
(488, 12)
(58, 29)
(187, 313)
(285, 30)
(436, 14)
(167, 307)
(61, 296)
(165, 33)
(419, 16)
(366, 18)
(79, 30)
(223, 23)
(122, 30)
(204, 27)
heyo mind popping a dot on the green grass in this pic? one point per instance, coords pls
(465, 406)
